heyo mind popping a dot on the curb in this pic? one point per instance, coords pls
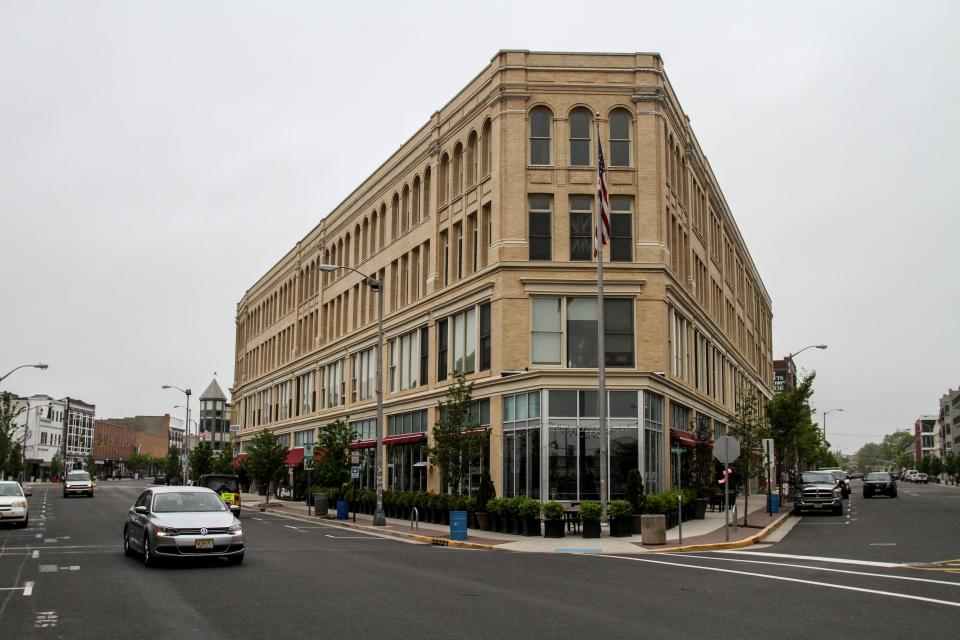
(733, 544)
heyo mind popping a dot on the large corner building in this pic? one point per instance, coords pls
(481, 228)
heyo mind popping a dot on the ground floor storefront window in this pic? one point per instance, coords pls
(407, 467)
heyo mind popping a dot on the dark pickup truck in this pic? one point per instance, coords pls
(818, 491)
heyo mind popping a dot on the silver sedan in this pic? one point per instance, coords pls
(182, 522)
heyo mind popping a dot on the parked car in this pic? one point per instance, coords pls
(879, 483)
(818, 490)
(78, 483)
(182, 522)
(920, 478)
(13, 503)
(911, 475)
(841, 477)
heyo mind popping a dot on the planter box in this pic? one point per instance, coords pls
(531, 526)
(620, 527)
(553, 528)
(591, 528)
(700, 508)
(653, 529)
(485, 521)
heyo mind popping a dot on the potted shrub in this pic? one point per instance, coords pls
(590, 513)
(530, 516)
(493, 509)
(553, 520)
(469, 504)
(484, 493)
(512, 508)
(621, 516)
(634, 495)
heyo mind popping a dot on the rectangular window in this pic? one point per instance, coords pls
(405, 361)
(580, 336)
(424, 359)
(301, 438)
(540, 228)
(364, 363)
(484, 337)
(581, 228)
(442, 350)
(333, 386)
(465, 342)
(546, 331)
(621, 229)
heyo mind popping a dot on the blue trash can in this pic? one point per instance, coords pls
(343, 509)
(774, 503)
(458, 525)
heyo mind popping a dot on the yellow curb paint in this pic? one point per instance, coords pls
(735, 544)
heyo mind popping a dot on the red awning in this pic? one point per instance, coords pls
(362, 444)
(407, 438)
(685, 437)
(294, 457)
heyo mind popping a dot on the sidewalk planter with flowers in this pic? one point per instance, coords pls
(553, 523)
(621, 516)
(590, 513)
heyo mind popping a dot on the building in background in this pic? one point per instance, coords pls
(79, 438)
(948, 428)
(784, 375)
(214, 416)
(113, 444)
(153, 435)
(39, 429)
(480, 228)
(923, 442)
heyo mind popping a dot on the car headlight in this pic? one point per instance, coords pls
(837, 492)
(19, 503)
(166, 531)
(235, 530)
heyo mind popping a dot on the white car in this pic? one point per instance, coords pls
(13, 504)
(78, 483)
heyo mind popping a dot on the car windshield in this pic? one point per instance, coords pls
(10, 490)
(808, 477)
(221, 484)
(78, 476)
(879, 475)
(187, 501)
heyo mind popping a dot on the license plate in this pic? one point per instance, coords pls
(204, 543)
(817, 505)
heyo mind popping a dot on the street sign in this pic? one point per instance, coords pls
(355, 471)
(354, 457)
(234, 428)
(308, 456)
(680, 450)
(726, 449)
(769, 458)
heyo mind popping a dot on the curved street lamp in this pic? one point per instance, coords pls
(812, 346)
(379, 519)
(186, 424)
(39, 365)
(825, 414)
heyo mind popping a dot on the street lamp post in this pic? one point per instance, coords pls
(37, 366)
(796, 445)
(825, 414)
(186, 424)
(379, 519)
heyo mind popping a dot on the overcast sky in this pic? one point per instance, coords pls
(156, 158)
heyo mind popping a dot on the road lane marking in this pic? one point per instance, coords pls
(369, 537)
(883, 544)
(35, 554)
(831, 570)
(27, 588)
(787, 556)
(48, 568)
(46, 619)
(814, 583)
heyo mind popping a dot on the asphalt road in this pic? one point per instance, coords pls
(304, 580)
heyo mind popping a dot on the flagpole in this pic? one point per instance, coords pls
(600, 240)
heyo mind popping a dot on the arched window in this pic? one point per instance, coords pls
(620, 138)
(382, 231)
(346, 251)
(357, 244)
(365, 245)
(394, 217)
(326, 260)
(457, 170)
(485, 148)
(472, 159)
(444, 178)
(374, 230)
(581, 127)
(426, 192)
(405, 209)
(415, 202)
(540, 126)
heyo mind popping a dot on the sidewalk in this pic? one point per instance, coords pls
(698, 535)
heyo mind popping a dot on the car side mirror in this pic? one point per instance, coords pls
(141, 509)
(235, 509)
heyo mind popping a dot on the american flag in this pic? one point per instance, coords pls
(602, 232)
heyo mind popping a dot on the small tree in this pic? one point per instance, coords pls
(749, 428)
(15, 461)
(936, 467)
(171, 464)
(924, 466)
(332, 468)
(223, 461)
(8, 416)
(137, 462)
(265, 459)
(634, 490)
(56, 465)
(200, 461)
(457, 442)
(951, 466)
(89, 463)
(485, 491)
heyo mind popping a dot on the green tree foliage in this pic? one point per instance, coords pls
(869, 457)
(223, 461)
(56, 464)
(8, 416)
(137, 462)
(796, 439)
(924, 466)
(897, 447)
(747, 426)
(936, 467)
(951, 466)
(457, 442)
(200, 461)
(15, 461)
(89, 463)
(265, 459)
(331, 466)
(171, 464)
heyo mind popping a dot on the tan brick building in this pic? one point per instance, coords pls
(480, 226)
